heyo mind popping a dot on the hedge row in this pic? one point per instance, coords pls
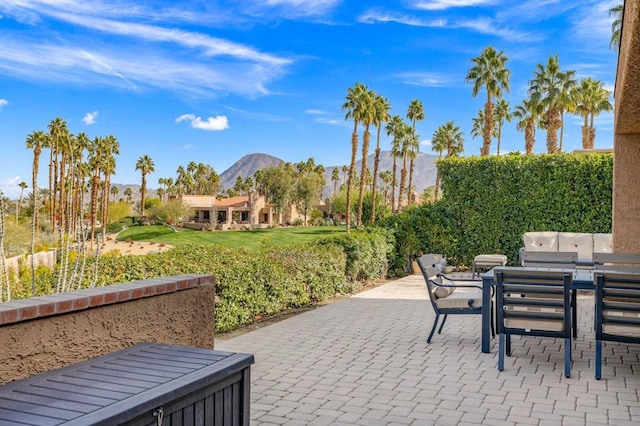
(489, 202)
(249, 285)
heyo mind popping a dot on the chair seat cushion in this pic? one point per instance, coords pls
(491, 259)
(534, 324)
(459, 299)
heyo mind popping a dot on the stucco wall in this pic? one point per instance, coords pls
(157, 311)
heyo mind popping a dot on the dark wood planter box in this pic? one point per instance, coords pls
(139, 385)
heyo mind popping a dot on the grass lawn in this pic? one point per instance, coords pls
(238, 239)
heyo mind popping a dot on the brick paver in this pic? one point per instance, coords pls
(364, 360)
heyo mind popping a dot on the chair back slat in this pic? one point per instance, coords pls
(617, 303)
(550, 259)
(629, 262)
(533, 302)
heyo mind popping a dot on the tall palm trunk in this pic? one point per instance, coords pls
(143, 193)
(34, 218)
(529, 137)
(394, 184)
(437, 188)
(561, 130)
(352, 170)
(410, 197)
(363, 172)
(95, 183)
(552, 122)
(376, 163)
(403, 181)
(488, 127)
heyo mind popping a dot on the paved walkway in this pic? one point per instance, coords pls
(364, 360)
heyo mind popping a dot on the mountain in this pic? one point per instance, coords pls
(246, 167)
(424, 174)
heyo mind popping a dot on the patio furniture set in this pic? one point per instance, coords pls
(539, 298)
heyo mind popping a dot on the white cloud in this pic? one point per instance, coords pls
(218, 122)
(90, 118)
(10, 187)
(187, 147)
(290, 9)
(424, 79)
(375, 16)
(425, 142)
(446, 4)
(3, 102)
(138, 55)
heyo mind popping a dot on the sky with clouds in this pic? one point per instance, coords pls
(213, 80)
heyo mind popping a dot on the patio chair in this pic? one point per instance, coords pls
(449, 296)
(628, 262)
(617, 312)
(544, 311)
(556, 260)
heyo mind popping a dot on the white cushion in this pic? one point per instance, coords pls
(540, 241)
(576, 242)
(602, 243)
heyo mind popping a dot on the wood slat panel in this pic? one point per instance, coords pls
(39, 409)
(49, 402)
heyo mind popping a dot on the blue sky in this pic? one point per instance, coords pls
(210, 81)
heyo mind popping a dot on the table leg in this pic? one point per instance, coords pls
(486, 314)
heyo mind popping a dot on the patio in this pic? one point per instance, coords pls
(364, 360)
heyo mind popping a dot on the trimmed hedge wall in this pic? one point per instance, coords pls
(249, 285)
(489, 202)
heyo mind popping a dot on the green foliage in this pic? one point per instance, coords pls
(367, 253)
(249, 285)
(171, 213)
(119, 211)
(151, 202)
(491, 201)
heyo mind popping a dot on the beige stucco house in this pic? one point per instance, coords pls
(251, 210)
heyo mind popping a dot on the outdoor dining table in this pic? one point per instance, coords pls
(582, 280)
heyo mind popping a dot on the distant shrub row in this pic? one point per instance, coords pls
(249, 285)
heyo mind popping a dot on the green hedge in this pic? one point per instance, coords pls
(250, 284)
(489, 202)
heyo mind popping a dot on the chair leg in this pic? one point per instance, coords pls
(433, 329)
(598, 359)
(567, 357)
(501, 352)
(574, 313)
(444, 318)
(493, 324)
(508, 345)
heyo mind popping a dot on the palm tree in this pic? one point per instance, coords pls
(438, 144)
(114, 191)
(368, 116)
(382, 107)
(616, 26)
(529, 115)
(395, 128)
(36, 141)
(409, 138)
(145, 165)
(502, 114)
(414, 113)
(565, 100)
(489, 70)
(22, 186)
(335, 177)
(591, 98)
(58, 132)
(353, 106)
(128, 195)
(478, 123)
(547, 88)
(386, 178)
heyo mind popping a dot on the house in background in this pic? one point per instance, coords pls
(236, 212)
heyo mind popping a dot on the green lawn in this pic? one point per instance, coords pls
(244, 239)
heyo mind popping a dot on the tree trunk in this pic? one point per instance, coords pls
(352, 171)
(410, 197)
(529, 137)
(393, 185)
(376, 163)
(552, 123)
(403, 181)
(363, 173)
(488, 128)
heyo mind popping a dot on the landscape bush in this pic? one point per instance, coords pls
(367, 252)
(489, 202)
(249, 284)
